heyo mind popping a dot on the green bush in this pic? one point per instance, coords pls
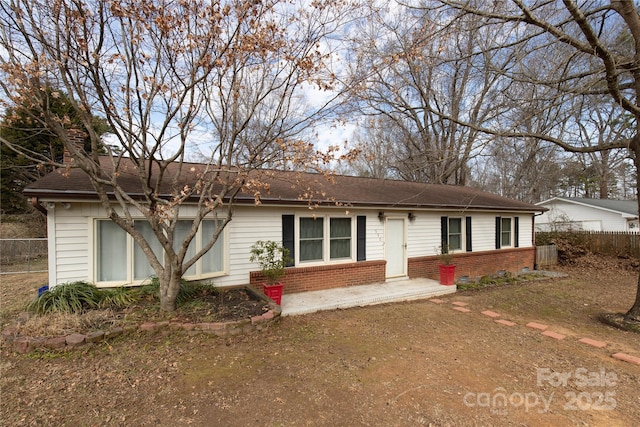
(74, 297)
(119, 297)
(78, 297)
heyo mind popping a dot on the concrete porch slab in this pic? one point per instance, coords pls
(359, 296)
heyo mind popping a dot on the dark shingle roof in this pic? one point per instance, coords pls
(286, 187)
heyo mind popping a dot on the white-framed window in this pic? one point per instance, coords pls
(454, 237)
(506, 232)
(325, 239)
(119, 259)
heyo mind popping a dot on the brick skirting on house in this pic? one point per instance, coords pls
(327, 276)
(476, 264)
(472, 264)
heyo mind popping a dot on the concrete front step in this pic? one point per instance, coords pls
(359, 296)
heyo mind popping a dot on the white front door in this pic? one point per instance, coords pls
(395, 248)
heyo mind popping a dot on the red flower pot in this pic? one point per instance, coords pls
(447, 274)
(273, 291)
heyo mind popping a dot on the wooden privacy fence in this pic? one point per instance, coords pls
(546, 255)
(613, 243)
(616, 243)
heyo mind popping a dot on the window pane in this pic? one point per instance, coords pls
(141, 267)
(506, 231)
(182, 229)
(455, 226)
(340, 227)
(212, 261)
(311, 237)
(455, 242)
(455, 234)
(340, 240)
(310, 250)
(112, 252)
(340, 248)
(311, 228)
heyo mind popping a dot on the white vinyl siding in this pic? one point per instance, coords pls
(484, 232)
(375, 236)
(72, 237)
(423, 234)
(72, 255)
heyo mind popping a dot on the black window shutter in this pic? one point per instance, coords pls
(498, 230)
(361, 238)
(516, 231)
(288, 237)
(467, 229)
(444, 234)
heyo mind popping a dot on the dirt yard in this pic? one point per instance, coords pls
(417, 363)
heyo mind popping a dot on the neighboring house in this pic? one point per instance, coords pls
(363, 231)
(573, 213)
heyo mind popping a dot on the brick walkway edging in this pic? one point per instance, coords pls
(25, 344)
(460, 306)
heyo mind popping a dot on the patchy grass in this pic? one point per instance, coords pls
(491, 281)
(619, 321)
(16, 290)
(393, 364)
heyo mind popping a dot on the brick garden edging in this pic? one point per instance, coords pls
(459, 306)
(25, 344)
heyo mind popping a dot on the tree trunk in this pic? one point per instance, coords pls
(634, 311)
(169, 288)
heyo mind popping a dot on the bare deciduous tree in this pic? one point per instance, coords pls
(591, 50)
(599, 123)
(169, 76)
(424, 77)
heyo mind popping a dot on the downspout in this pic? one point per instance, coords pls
(533, 237)
(36, 204)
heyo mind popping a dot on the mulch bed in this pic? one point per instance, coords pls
(226, 305)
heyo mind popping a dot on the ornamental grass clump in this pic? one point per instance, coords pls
(80, 297)
(74, 297)
(119, 297)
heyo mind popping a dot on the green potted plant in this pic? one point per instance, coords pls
(447, 268)
(272, 258)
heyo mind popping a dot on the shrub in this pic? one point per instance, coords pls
(78, 297)
(187, 292)
(118, 297)
(272, 258)
(74, 297)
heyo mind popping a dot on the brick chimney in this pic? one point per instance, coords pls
(76, 138)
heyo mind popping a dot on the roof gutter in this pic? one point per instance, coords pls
(36, 204)
(297, 202)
